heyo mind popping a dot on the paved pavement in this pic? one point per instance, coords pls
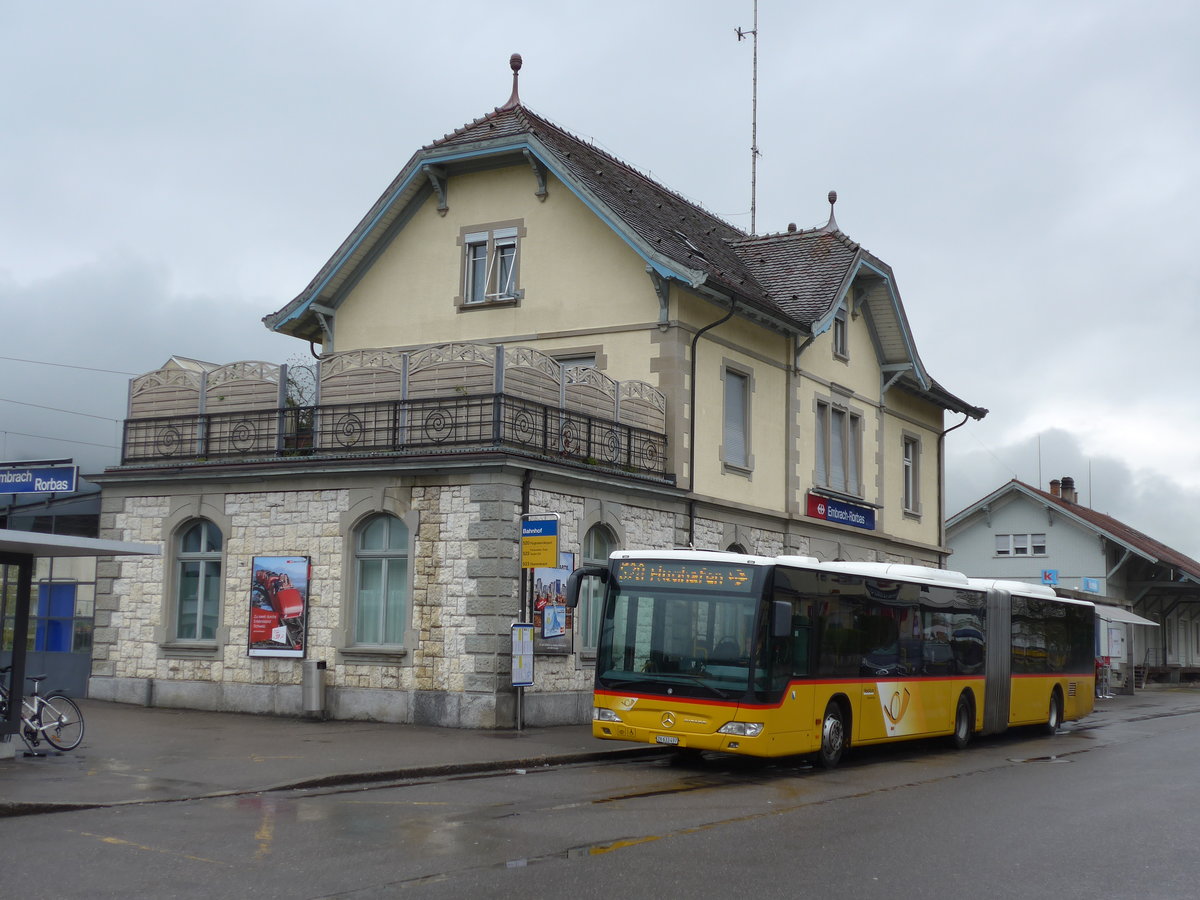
(133, 754)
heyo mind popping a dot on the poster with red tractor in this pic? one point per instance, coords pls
(278, 605)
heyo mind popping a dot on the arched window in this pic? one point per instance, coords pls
(736, 548)
(598, 543)
(381, 581)
(198, 581)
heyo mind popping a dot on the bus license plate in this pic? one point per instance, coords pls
(666, 739)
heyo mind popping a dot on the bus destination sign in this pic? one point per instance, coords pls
(673, 573)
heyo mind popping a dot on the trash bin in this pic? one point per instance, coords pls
(312, 688)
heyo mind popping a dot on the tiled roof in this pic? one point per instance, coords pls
(669, 223)
(802, 270)
(1122, 532)
(792, 279)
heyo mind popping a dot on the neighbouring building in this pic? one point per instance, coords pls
(1147, 594)
(522, 324)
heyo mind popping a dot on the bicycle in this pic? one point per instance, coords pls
(52, 716)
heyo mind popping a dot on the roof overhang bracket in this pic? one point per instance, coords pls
(858, 300)
(987, 516)
(437, 178)
(1120, 562)
(662, 287)
(325, 316)
(897, 370)
(539, 172)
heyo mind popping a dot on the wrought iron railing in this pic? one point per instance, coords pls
(480, 421)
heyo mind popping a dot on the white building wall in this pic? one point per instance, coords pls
(1075, 553)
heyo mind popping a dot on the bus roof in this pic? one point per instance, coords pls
(900, 572)
(725, 556)
(1024, 589)
(888, 571)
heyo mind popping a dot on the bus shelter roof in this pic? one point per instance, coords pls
(30, 543)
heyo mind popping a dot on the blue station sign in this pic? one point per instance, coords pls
(41, 480)
(843, 513)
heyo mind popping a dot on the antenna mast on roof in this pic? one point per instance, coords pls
(741, 35)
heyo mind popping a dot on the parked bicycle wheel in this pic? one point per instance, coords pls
(63, 721)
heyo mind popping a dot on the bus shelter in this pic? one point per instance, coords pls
(18, 550)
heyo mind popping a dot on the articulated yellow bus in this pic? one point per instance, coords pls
(784, 656)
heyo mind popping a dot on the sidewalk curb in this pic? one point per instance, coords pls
(20, 808)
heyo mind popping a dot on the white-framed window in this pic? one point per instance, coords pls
(598, 543)
(735, 429)
(911, 462)
(381, 581)
(198, 581)
(839, 449)
(1020, 545)
(841, 342)
(490, 264)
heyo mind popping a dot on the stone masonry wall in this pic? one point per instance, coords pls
(465, 580)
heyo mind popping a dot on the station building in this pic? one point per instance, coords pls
(521, 325)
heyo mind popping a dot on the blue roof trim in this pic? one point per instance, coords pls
(599, 212)
(826, 321)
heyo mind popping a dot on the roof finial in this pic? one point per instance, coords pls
(514, 62)
(832, 224)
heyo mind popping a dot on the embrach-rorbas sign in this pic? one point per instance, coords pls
(41, 480)
(843, 513)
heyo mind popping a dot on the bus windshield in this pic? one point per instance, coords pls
(679, 627)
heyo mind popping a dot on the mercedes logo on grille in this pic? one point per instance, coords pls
(668, 720)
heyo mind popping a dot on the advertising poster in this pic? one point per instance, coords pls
(278, 605)
(552, 620)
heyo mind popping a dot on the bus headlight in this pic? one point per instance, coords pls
(744, 729)
(600, 714)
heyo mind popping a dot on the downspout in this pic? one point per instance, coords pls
(526, 481)
(524, 595)
(692, 424)
(942, 482)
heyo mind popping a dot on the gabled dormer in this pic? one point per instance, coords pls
(824, 280)
(677, 242)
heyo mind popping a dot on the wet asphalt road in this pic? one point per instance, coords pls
(1098, 810)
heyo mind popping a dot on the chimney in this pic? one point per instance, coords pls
(1055, 487)
(1068, 489)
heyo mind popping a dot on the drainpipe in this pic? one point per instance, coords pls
(526, 480)
(942, 483)
(692, 424)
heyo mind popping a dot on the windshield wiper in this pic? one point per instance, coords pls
(660, 684)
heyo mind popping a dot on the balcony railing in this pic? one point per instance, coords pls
(459, 422)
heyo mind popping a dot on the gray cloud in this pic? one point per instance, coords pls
(174, 171)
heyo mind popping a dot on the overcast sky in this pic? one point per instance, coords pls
(171, 172)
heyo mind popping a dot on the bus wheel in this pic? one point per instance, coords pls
(1056, 714)
(963, 723)
(833, 736)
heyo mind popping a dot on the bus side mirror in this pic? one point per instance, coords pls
(781, 619)
(577, 576)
